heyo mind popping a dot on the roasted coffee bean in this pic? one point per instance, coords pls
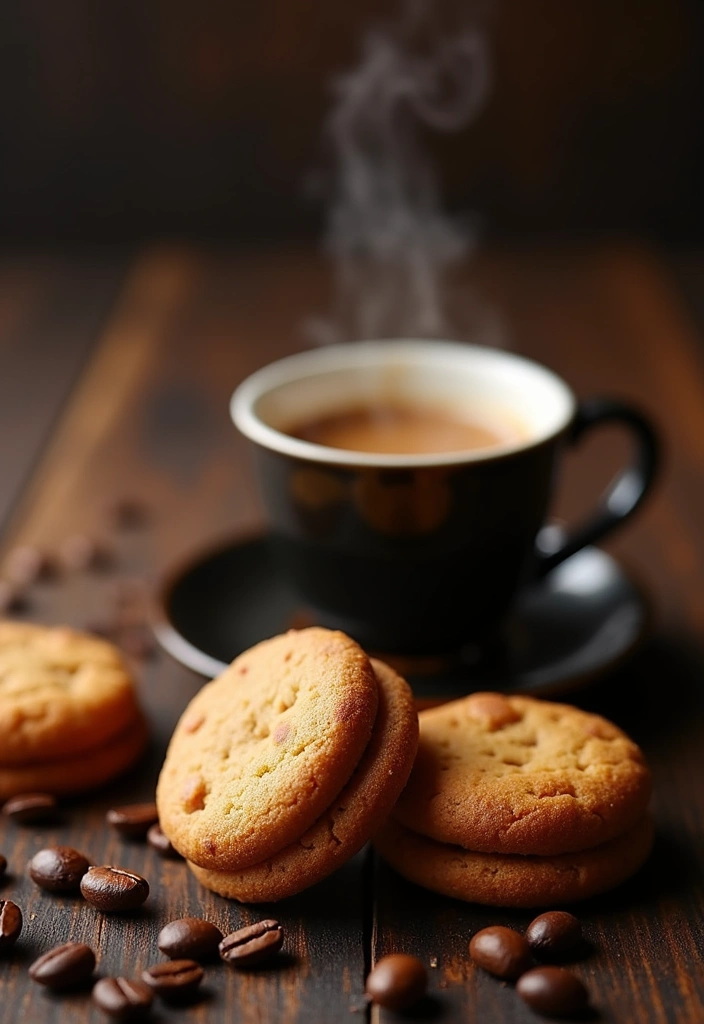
(12, 598)
(553, 991)
(397, 981)
(28, 564)
(3, 864)
(161, 843)
(134, 820)
(80, 552)
(10, 924)
(500, 951)
(174, 980)
(66, 966)
(191, 938)
(114, 890)
(122, 998)
(253, 945)
(58, 868)
(31, 808)
(554, 934)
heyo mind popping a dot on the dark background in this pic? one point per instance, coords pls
(139, 118)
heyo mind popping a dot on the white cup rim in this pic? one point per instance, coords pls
(349, 355)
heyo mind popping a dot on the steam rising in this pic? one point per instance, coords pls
(392, 244)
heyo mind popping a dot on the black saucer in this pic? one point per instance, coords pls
(566, 630)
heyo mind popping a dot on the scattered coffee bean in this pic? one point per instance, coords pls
(554, 934)
(10, 924)
(3, 864)
(122, 998)
(30, 808)
(175, 980)
(79, 552)
(58, 868)
(397, 981)
(553, 991)
(191, 938)
(128, 513)
(12, 598)
(66, 966)
(28, 564)
(134, 820)
(161, 843)
(500, 951)
(114, 890)
(253, 945)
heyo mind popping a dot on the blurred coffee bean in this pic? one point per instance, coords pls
(114, 890)
(190, 938)
(133, 821)
(122, 998)
(80, 552)
(397, 981)
(252, 945)
(31, 808)
(553, 991)
(553, 934)
(161, 843)
(65, 966)
(3, 864)
(58, 868)
(128, 513)
(10, 924)
(500, 951)
(28, 564)
(12, 598)
(175, 980)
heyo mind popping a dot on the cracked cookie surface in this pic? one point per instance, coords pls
(506, 880)
(61, 692)
(504, 774)
(265, 748)
(347, 824)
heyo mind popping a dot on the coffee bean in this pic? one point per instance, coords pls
(58, 868)
(114, 890)
(80, 552)
(10, 924)
(66, 966)
(253, 945)
(397, 981)
(12, 598)
(553, 991)
(175, 980)
(134, 820)
(30, 808)
(161, 843)
(122, 998)
(500, 951)
(554, 934)
(189, 937)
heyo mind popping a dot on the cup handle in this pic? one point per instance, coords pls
(625, 493)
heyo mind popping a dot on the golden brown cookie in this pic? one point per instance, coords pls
(61, 692)
(507, 880)
(348, 823)
(503, 774)
(265, 748)
(89, 769)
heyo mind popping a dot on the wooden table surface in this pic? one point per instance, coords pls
(115, 374)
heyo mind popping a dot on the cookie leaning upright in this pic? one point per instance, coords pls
(517, 775)
(266, 747)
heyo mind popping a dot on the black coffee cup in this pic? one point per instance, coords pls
(421, 553)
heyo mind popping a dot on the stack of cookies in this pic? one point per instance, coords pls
(281, 769)
(69, 715)
(520, 802)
